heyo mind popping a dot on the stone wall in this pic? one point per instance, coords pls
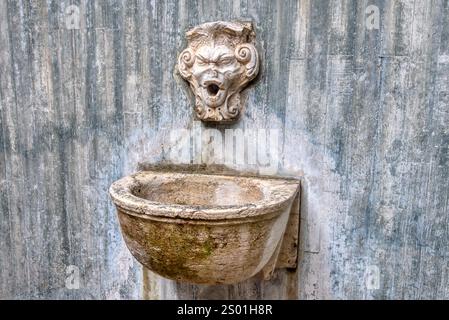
(88, 90)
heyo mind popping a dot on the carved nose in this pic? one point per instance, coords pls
(213, 72)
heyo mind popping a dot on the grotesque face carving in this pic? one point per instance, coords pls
(218, 63)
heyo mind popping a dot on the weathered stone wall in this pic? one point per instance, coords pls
(363, 114)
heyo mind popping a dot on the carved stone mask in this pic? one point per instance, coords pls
(218, 63)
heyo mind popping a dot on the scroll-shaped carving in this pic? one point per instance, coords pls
(220, 60)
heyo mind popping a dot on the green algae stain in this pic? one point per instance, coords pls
(172, 247)
(207, 247)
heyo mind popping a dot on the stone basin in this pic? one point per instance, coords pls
(203, 228)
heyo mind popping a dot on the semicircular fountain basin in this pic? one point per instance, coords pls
(203, 228)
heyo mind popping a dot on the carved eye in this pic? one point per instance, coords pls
(201, 61)
(226, 61)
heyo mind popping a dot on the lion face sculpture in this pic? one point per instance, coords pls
(218, 63)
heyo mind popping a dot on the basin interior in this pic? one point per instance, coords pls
(198, 190)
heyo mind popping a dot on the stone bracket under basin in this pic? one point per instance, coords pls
(287, 255)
